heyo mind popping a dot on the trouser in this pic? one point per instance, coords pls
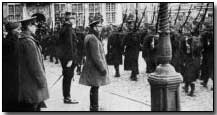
(116, 66)
(94, 98)
(68, 73)
(192, 85)
(79, 68)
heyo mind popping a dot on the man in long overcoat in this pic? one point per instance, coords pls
(33, 90)
(10, 80)
(132, 47)
(115, 50)
(95, 70)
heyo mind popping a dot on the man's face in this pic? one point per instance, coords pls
(99, 27)
(32, 28)
(73, 22)
(130, 25)
(17, 31)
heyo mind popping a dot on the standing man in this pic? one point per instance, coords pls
(95, 70)
(132, 48)
(207, 67)
(10, 78)
(33, 88)
(68, 55)
(115, 50)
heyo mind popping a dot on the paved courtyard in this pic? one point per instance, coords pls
(121, 95)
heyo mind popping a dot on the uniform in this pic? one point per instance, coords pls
(207, 66)
(10, 78)
(67, 52)
(33, 90)
(115, 50)
(95, 70)
(132, 47)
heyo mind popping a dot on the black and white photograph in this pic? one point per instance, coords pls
(108, 56)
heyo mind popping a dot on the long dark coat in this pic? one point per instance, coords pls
(10, 83)
(192, 60)
(80, 46)
(207, 66)
(95, 63)
(132, 48)
(115, 48)
(67, 43)
(32, 81)
(149, 53)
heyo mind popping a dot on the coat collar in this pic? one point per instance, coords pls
(28, 34)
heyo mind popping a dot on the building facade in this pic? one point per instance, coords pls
(112, 12)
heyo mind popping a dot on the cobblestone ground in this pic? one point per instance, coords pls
(121, 95)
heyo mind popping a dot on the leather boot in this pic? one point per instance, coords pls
(94, 105)
(117, 74)
(133, 76)
(192, 90)
(186, 87)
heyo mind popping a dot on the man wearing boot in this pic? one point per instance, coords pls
(115, 50)
(131, 49)
(67, 55)
(95, 70)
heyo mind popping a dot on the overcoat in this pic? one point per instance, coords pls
(95, 63)
(132, 47)
(10, 72)
(115, 48)
(67, 43)
(32, 81)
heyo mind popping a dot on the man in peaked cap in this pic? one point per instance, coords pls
(33, 90)
(95, 70)
(68, 55)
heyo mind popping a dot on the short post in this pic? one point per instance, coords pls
(165, 80)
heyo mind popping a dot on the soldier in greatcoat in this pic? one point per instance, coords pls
(10, 80)
(131, 49)
(115, 50)
(95, 71)
(33, 90)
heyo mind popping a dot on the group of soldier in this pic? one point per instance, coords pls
(192, 49)
(193, 52)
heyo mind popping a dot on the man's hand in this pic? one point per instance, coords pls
(69, 64)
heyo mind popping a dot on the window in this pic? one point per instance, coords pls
(59, 11)
(110, 12)
(78, 9)
(15, 12)
(94, 9)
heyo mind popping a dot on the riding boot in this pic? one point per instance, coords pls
(78, 70)
(133, 76)
(51, 58)
(186, 87)
(192, 90)
(94, 105)
(117, 74)
(57, 61)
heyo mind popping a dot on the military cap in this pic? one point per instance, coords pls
(130, 18)
(12, 25)
(28, 21)
(69, 15)
(95, 19)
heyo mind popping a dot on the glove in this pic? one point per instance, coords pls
(69, 64)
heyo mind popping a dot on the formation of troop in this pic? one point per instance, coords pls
(80, 48)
